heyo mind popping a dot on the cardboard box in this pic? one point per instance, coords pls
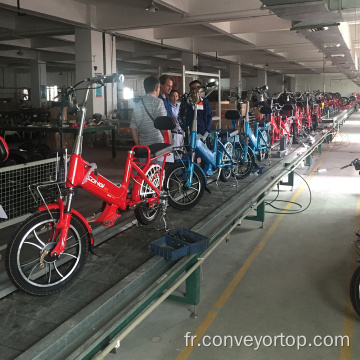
(54, 113)
(53, 141)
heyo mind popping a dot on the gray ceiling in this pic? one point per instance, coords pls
(281, 36)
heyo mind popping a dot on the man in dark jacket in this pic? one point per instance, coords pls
(204, 113)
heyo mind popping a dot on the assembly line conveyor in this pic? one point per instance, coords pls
(94, 329)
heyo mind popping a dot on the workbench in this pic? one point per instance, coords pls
(66, 130)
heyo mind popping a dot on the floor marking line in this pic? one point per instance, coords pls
(210, 317)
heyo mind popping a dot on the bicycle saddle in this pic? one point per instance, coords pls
(4, 150)
(165, 123)
(266, 110)
(233, 115)
(288, 107)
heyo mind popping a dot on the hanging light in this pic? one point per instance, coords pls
(152, 7)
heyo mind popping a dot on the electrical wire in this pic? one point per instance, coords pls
(289, 211)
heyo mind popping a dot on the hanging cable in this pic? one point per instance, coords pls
(289, 211)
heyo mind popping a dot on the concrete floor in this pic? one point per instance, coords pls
(278, 285)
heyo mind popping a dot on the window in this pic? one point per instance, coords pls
(51, 92)
(128, 93)
(25, 94)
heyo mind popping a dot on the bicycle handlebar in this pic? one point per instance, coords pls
(355, 162)
(105, 79)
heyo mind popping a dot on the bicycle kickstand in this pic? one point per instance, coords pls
(218, 176)
(236, 180)
(163, 206)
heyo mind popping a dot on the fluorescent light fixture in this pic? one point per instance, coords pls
(314, 29)
(331, 45)
(152, 7)
(337, 55)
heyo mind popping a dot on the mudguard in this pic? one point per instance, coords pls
(186, 160)
(75, 213)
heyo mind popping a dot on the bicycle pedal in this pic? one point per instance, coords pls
(111, 220)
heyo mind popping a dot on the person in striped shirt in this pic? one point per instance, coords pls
(142, 126)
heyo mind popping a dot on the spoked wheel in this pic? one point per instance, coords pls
(225, 173)
(263, 154)
(355, 290)
(29, 263)
(243, 165)
(144, 213)
(180, 196)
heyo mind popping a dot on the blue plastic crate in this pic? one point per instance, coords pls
(197, 243)
(178, 243)
(169, 248)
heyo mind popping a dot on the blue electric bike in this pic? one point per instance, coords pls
(254, 142)
(185, 180)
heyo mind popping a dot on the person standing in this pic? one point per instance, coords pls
(204, 112)
(145, 112)
(177, 133)
(174, 103)
(166, 84)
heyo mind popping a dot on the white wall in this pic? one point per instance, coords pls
(333, 83)
(66, 79)
(274, 83)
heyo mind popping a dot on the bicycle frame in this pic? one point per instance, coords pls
(254, 138)
(84, 175)
(211, 158)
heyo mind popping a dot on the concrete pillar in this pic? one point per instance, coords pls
(38, 83)
(111, 90)
(190, 61)
(261, 77)
(89, 59)
(235, 79)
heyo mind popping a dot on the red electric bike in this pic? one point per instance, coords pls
(49, 249)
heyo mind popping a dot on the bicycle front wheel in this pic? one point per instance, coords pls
(355, 290)
(28, 261)
(180, 196)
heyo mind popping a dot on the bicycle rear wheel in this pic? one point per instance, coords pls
(263, 154)
(243, 164)
(144, 213)
(28, 262)
(225, 173)
(355, 290)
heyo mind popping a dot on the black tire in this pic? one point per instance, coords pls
(355, 291)
(23, 258)
(143, 213)
(180, 197)
(146, 215)
(225, 174)
(242, 168)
